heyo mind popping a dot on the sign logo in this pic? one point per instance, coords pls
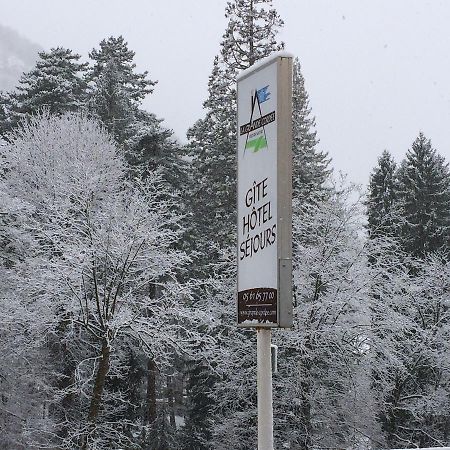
(255, 128)
(263, 94)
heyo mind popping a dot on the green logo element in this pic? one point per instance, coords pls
(256, 144)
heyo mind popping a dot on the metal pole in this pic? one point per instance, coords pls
(265, 412)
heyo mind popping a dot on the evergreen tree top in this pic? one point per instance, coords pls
(250, 34)
(56, 53)
(386, 166)
(310, 166)
(424, 199)
(422, 163)
(54, 83)
(58, 62)
(114, 57)
(381, 197)
(113, 48)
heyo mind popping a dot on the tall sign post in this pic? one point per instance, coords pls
(264, 252)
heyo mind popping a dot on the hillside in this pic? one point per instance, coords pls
(17, 54)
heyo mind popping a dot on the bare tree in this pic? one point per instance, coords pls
(94, 246)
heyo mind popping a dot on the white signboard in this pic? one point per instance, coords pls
(265, 194)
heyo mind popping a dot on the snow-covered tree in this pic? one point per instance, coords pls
(322, 378)
(116, 94)
(381, 207)
(250, 36)
(95, 246)
(56, 84)
(310, 166)
(251, 32)
(5, 116)
(116, 89)
(322, 394)
(408, 224)
(409, 349)
(424, 199)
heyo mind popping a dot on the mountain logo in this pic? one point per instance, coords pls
(255, 129)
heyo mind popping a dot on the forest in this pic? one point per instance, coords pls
(118, 271)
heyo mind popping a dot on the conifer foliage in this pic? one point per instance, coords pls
(310, 166)
(424, 199)
(408, 223)
(116, 90)
(251, 32)
(411, 203)
(250, 36)
(56, 84)
(381, 197)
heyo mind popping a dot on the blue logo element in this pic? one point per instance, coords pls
(263, 94)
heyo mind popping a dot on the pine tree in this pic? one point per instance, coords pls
(424, 199)
(117, 90)
(55, 83)
(152, 147)
(381, 198)
(310, 166)
(5, 117)
(251, 32)
(249, 36)
(213, 185)
(199, 423)
(408, 223)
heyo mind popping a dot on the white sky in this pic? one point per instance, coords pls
(377, 71)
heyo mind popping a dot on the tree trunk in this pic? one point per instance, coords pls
(305, 396)
(151, 391)
(65, 365)
(99, 385)
(252, 57)
(305, 412)
(170, 401)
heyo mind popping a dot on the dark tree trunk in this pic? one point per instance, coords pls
(170, 401)
(252, 57)
(151, 391)
(305, 397)
(99, 385)
(65, 365)
(305, 413)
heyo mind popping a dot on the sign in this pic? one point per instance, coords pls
(264, 154)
